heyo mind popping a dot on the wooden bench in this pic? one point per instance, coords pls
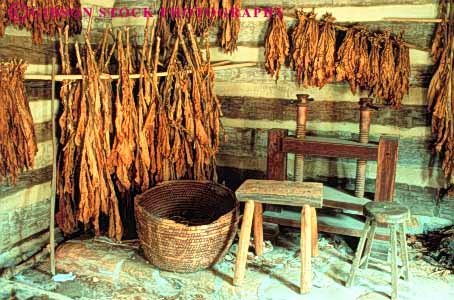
(302, 194)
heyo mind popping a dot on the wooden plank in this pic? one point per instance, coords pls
(329, 147)
(276, 159)
(26, 180)
(386, 168)
(279, 192)
(251, 108)
(352, 226)
(336, 198)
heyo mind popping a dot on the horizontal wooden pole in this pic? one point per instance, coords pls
(330, 147)
(131, 76)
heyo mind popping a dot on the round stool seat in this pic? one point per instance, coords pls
(387, 212)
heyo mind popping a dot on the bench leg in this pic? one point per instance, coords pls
(370, 241)
(359, 253)
(314, 229)
(243, 244)
(394, 270)
(305, 243)
(258, 228)
(404, 251)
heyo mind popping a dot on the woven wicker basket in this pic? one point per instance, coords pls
(186, 225)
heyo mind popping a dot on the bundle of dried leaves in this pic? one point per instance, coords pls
(41, 17)
(17, 135)
(440, 95)
(324, 65)
(305, 47)
(230, 25)
(159, 128)
(276, 46)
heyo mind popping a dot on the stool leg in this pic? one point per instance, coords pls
(314, 229)
(370, 240)
(243, 244)
(305, 244)
(359, 253)
(394, 270)
(258, 229)
(404, 251)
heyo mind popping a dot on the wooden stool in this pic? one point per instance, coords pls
(303, 194)
(394, 215)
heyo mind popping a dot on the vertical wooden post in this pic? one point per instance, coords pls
(276, 159)
(386, 168)
(276, 168)
(54, 174)
(243, 244)
(305, 244)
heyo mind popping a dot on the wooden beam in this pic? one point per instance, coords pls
(329, 147)
(276, 158)
(26, 180)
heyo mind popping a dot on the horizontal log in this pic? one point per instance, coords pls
(243, 87)
(25, 181)
(23, 250)
(22, 47)
(330, 147)
(20, 223)
(408, 116)
(420, 76)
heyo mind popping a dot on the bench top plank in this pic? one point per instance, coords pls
(278, 192)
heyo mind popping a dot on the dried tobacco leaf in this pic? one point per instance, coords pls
(276, 46)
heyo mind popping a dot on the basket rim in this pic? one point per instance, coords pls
(138, 198)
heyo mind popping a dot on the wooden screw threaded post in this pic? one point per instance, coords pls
(364, 129)
(301, 119)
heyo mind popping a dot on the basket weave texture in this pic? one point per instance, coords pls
(186, 225)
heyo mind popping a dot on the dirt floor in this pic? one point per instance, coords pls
(103, 270)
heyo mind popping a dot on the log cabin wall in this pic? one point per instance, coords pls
(25, 207)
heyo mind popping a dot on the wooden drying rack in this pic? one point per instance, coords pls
(222, 65)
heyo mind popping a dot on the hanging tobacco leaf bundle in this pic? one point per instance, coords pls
(401, 83)
(374, 64)
(159, 128)
(276, 45)
(440, 95)
(440, 41)
(305, 43)
(324, 65)
(387, 69)
(18, 145)
(362, 59)
(230, 25)
(346, 64)
(41, 17)
(86, 190)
